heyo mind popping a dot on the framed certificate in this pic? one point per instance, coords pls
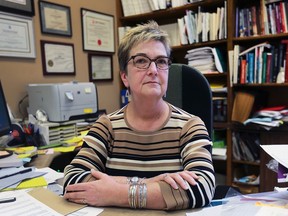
(16, 36)
(22, 7)
(100, 67)
(55, 19)
(57, 58)
(97, 31)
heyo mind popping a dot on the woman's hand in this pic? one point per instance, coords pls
(100, 192)
(175, 179)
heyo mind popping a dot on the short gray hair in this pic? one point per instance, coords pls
(141, 33)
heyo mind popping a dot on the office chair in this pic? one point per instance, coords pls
(189, 90)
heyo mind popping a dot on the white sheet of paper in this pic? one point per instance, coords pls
(24, 205)
(278, 152)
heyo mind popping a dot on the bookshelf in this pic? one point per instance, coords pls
(272, 91)
(267, 93)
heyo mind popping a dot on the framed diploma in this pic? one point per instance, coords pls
(100, 67)
(57, 58)
(55, 19)
(16, 36)
(22, 7)
(97, 31)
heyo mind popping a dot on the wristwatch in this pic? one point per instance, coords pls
(133, 180)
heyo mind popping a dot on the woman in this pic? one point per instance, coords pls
(149, 154)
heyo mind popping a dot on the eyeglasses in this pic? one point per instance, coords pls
(144, 62)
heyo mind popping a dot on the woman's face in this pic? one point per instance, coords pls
(150, 82)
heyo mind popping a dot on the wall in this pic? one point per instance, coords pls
(16, 73)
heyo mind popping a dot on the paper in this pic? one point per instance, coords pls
(9, 181)
(278, 152)
(54, 201)
(25, 205)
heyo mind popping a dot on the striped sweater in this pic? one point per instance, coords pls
(182, 143)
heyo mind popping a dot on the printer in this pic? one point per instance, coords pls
(63, 101)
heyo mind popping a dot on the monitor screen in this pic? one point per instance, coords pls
(5, 122)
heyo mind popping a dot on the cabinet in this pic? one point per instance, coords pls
(267, 93)
(274, 91)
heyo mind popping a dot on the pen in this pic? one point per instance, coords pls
(9, 199)
(20, 172)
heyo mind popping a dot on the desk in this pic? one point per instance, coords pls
(127, 212)
(56, 161)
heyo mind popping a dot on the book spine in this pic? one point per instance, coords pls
(264, 67)
(243, 71)
(268, 68)
(250, 71)
(285, 42)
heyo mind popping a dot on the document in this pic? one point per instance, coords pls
(278, 152)
(24, 205)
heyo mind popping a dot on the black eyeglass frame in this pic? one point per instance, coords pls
(151, 60)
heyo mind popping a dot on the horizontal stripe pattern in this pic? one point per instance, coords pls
(182, 143)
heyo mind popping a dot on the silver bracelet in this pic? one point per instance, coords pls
(132, 195)
(142, 195)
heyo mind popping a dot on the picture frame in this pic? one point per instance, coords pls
(57, 58)
(55, 19)
(22, 7)
(97, 31)
(100, 67)
(17, 36)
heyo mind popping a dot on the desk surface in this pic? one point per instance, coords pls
(126, 212)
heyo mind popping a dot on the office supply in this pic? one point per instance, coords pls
(55, 202)
(63, 101)
(21, 171)
(9, 199)
(11, 161)
(278, 152)
(26, 205)
(16, 179)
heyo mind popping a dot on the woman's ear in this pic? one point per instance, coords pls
(123, 76)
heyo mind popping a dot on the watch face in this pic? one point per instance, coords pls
(134, 179)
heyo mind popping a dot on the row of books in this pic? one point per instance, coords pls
(201, 26)
(134, 7)
(246, 146)
(269, 17)
(194, 27)
(262, 63)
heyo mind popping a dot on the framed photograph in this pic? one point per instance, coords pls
(100, 67)
(57, 58)
(22, 7)
(55, 19)
(16, 36)
(97, 31)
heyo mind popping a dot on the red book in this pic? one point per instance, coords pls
(243, 71)
(268, 68)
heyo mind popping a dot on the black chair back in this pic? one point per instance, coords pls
(189, 90)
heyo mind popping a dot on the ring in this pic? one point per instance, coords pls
(84, 201)
(166, 175)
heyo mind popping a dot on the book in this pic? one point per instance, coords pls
(264, 67)
(268, 68)
(243, 71)
(286, 60)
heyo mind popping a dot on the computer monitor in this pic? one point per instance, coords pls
(5, 121)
